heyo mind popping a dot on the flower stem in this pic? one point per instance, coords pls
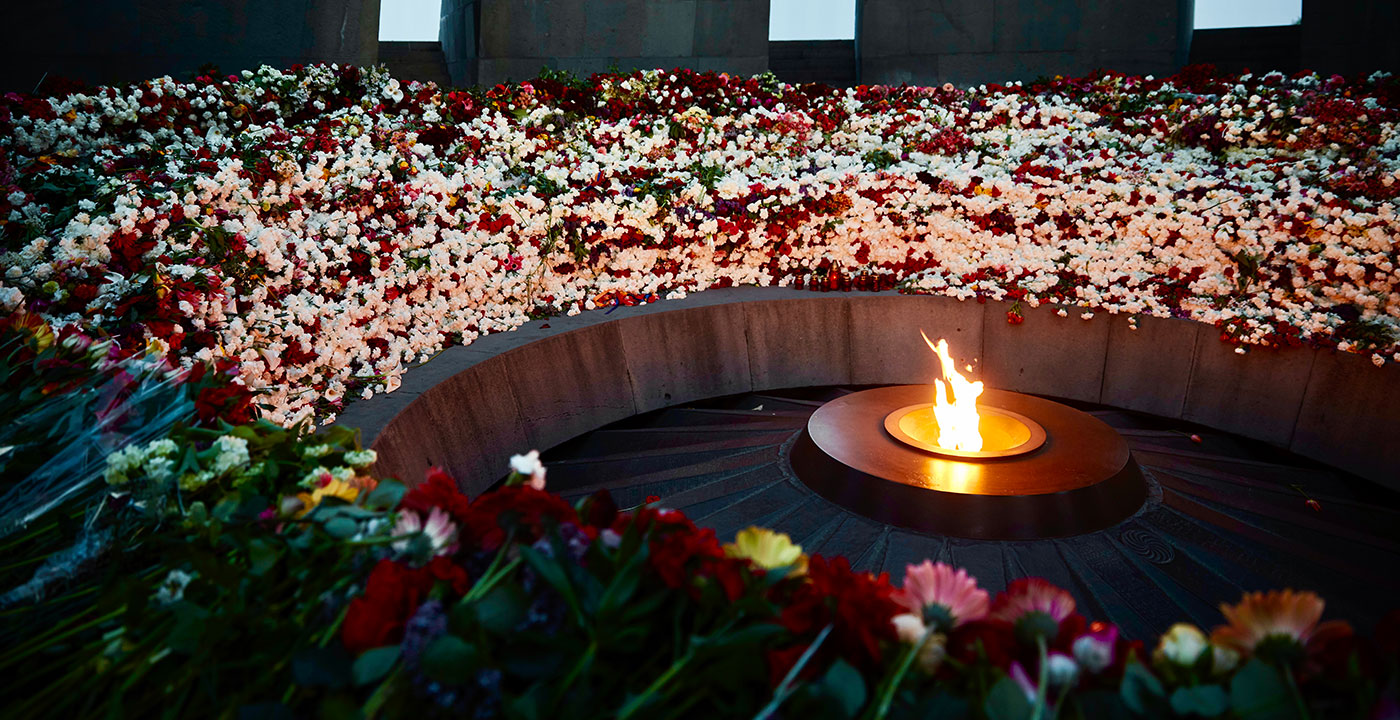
(891, 684)
(577, 670)
(637, 702)
(1043, 677)
(1297, 694)
(786, 687)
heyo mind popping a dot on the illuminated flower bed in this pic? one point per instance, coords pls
(326, 228)
(195, 273)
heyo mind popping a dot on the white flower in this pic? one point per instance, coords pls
(1182, 645)
(529, 465)
(172, 588)
(1092, 653)
(1060, 669)
(361, 458)
(231, 454)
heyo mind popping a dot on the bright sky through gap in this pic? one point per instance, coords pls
(409, 19)
(836, 19)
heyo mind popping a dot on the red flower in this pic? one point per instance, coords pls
(1014, 317)
(438, 490)
(600, 510)
(992, 638)
(781, 660)
(376, 618)
(728, 573)
(671, 553)
(442, 568)
(530, 510)
(860, 608)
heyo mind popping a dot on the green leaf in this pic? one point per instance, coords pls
(535, 659)
(1101, 705)
(730, 641)
(341, 527)
(939, 704)
(1203, 700)
(321, 667)
(1007, 701)
(550, 570)
(189, 627)
(386, 495)
(450, 660)
(624, 585)
(844, 684)
(1141, 689)
(1258, 692)
(525, 707)
(261, 556)
(502, 609)
(374, 664)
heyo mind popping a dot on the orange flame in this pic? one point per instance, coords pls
(958, 422)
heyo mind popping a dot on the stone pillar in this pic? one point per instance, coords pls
(968, 42)
(1349, 37)
(457, 31)
(97, 41)
(492, 41)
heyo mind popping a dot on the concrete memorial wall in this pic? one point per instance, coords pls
(473, 406)
(492, 41)
(1349, 37)
(102, 41)
(968, 42)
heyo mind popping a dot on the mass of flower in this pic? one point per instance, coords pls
(326, 227)
(197, 275)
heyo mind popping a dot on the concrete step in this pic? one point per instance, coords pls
(415, 60)
(803, 61)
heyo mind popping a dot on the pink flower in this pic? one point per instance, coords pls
(440, 531)
(1023, 681)
(1035, 607)
(1030, 595)
(952, 595)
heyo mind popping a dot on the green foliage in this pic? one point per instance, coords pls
(880, 158)
(1258, 692)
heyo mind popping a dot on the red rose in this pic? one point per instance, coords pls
(376, 618)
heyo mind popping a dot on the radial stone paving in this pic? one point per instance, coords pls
(1224, 516)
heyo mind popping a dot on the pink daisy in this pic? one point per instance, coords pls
(947, 591)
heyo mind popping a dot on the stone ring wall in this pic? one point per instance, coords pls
(471, 407)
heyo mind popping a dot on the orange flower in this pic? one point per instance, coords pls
(1278, 615)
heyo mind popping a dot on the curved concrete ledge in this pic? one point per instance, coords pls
(472, 407)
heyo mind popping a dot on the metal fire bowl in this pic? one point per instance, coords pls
(996, 418)
(1082, 479)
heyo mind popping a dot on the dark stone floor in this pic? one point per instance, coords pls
(1224, 516)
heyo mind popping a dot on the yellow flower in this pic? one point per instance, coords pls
(334, 488)
(767, 549)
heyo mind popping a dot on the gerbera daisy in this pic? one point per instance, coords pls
(1276, 624)
(943, 596)
(1034, 606)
